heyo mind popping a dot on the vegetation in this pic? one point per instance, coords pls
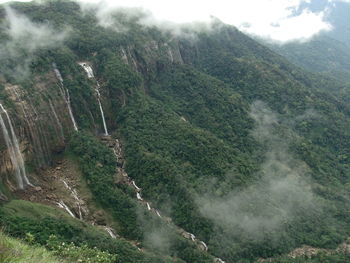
(190, 133)
(15, 251)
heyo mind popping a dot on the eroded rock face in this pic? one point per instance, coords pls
(3, 197)
(40, 121)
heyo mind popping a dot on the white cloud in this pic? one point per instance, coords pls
(25, 38)
(274, 19)
(346, 1)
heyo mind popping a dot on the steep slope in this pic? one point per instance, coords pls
(234, 148)
(321, 54)
(15, 251)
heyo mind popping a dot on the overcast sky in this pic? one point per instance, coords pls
(280, 20)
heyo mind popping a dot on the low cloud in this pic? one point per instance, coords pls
(276, 20)
(24, 38)
(281, 193)
(156, 235)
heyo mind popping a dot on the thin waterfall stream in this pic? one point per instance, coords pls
(65, 95)
(13, 149)
(90, 74)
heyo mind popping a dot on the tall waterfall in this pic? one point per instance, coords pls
(90, 74)
(14, 151)
(65, 94)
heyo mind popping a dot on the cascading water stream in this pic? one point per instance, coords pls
(78, 201)
(117, 150)
(65, 94)
(39, 141)
(90, 75)
(204, 245)
(57, 119)
(14, 151)
(62, 205)
(110, 232)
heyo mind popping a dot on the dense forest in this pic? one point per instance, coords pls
(226, 139)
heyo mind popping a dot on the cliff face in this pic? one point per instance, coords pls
(42, 112)
(40, 119)
(227, 140)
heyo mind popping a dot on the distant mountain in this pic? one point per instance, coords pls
(329, 52)
(137, 144)
(321, 54)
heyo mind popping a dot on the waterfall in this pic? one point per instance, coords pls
(148, 207)
(62, 205)
(88, 70)
(14, 151)
(136, 187)
(204, 245)
(57, 119)
(138, 196)
(78, 201)
(110, 232)
(90, 75)
(158, 214)
(65, 95)
(193, 237)
(101, 109)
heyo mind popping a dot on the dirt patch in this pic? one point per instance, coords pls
(60, 183)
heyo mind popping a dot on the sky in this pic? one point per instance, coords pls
(278, 20)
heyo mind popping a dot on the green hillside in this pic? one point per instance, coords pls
(227, 140)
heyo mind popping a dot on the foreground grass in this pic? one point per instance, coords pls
(14, 251)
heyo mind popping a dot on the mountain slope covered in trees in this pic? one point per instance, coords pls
(224, 138)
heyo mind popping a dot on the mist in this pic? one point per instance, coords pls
(281, 192)
(156, 235)
(23, 38)
(274, 20)
(119, 19)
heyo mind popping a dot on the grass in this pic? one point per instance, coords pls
(14, 251)
(35, 211)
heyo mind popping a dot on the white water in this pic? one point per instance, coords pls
(57, 119)
(14, 151)
(66, 96)
(157, 212)
(88, 70)
(62, 205)
(219, 260)
(78, 200)
(110, 232)
(193, 237)
(204, 245)
(148, 206)
(90, 74)
(136, 187)
(139, 196)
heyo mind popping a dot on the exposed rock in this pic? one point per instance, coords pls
(51, 197)
(3, 197)
(37, 189)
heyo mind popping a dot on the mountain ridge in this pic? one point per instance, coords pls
(217, 118)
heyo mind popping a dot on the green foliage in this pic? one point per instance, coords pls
(15, 251)
(338, 257)
(18, 218)
(186, 128)
(98, 165)
(79, 253)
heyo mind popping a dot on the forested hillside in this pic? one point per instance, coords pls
(138, 143)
